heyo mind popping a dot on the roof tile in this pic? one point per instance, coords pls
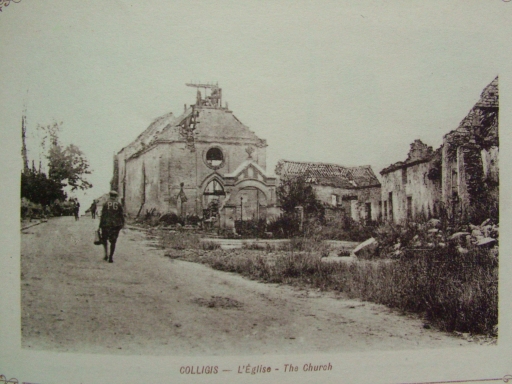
(329, 174)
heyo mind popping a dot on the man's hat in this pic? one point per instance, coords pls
(113, 193)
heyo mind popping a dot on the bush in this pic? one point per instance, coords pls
(170, 219)
(192, 220)
(338, 228)
(345, 228)
(251, 228)
(154, 218)
(257, 247)
(209, 245)
(283, 227)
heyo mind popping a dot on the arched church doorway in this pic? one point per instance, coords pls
(213, 196)
(251, 204)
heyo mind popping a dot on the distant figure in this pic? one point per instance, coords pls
(93, 209)
(76, 209)
(46, 212)
(111, 222)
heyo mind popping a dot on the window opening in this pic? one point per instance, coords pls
(404, 176)
(409, 207)
(390, 205)
(214, 157)
(455, 181)
(214, 188)
(368, 213)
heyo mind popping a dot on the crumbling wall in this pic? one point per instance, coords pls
(424, 191)
(353, 201)
(114, 183)
(490, 163)
(143, 184)
(470, 162)
(120, 178)
(134, 196)
(411, 182)
(391, 185)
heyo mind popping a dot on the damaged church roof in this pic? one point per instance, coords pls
(329, 174)
(149, 134)
(206, 120)
(211, 123)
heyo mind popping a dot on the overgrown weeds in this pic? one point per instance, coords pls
(209, 245)
(181, 240)
(452, 290)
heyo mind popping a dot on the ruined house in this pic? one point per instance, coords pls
(470, 169)
(351, 191)
(459, 180)
(409, 188)
(187, 164)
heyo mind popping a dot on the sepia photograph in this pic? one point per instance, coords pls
(255, 191)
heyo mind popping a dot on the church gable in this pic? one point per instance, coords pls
(251, 172)
(248, 170)
(206, 121)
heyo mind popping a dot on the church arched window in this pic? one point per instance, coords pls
(214, 158)
(214, 188)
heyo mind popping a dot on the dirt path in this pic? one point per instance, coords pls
(145, 303)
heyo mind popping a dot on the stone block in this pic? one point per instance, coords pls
(486, 242)
(367, 248)
(434, 223)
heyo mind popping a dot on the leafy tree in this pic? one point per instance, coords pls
(38, 188)
(67, 165)
(296, 191)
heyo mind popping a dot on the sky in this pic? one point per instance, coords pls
(345, 82)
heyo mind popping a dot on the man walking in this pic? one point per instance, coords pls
(76, 209)
(93, 209)
(111, 222)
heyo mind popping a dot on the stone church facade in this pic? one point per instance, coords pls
(185, 164)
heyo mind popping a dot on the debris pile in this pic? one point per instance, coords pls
(395, 241)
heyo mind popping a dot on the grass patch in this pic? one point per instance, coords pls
(453, 291)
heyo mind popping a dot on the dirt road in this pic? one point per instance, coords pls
(146, 303)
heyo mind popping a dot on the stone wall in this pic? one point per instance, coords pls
(353, 201)
(142, 184)
(490, 163)
(461, 179)
(410, 182)
(167, 165)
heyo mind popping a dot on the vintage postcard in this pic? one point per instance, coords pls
(241, 191)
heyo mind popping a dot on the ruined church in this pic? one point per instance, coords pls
(201, 159)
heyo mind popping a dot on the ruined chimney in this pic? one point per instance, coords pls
(184, 107)
(227, 105)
